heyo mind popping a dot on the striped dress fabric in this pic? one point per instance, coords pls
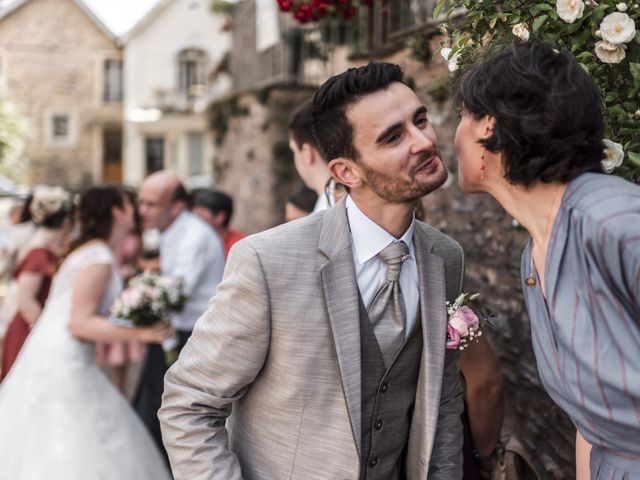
(586, 332)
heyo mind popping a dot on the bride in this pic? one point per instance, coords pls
(59, 416)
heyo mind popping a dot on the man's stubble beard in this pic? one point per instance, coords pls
(394, 190)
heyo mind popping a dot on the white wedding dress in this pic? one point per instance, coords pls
(60, 417)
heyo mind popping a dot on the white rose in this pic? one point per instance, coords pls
(570, 10)
(460, 325)
(452, 63)
(613, 156)
(622, 7)
(609, 52)
(618, 28)
(521, 31)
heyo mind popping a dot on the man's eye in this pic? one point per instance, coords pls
(393, 138)
(421, 121)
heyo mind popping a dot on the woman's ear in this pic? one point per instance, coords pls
(488, 123)
(346, 172)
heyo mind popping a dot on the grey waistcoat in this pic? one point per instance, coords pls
(388, 397)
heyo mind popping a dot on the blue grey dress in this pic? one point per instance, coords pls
(586, 333)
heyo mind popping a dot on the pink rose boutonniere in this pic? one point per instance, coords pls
(464, 325)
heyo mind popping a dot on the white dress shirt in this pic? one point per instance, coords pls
(191, 249)
(368, 239)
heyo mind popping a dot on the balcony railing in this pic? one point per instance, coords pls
(298, 57)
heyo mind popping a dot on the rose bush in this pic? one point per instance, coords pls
(602, 35)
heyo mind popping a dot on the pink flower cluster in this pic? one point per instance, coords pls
(463, 326)
(312, 10)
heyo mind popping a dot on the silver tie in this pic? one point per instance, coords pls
(386, 312)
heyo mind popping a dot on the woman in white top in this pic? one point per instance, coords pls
(60, 417)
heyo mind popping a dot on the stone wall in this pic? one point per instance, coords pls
(253, 162)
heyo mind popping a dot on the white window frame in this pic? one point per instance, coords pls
(72, 132)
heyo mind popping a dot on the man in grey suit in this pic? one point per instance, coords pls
(322, 355)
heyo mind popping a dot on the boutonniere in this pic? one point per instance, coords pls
(465, 323)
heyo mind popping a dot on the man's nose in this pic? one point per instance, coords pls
(420, 141)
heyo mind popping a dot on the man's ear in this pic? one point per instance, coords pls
(346, 172)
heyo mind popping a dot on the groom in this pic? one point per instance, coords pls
(322, 355)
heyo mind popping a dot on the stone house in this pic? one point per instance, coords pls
(169, 57)
(63, 68)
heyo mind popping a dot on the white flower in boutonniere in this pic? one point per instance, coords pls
(464, 324)
(622, 7)
(610, 52)
(618, 28)
(521, 31)
(613, 156)
(570, 10)
(452, 60)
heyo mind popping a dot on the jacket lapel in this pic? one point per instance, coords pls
(341, 298)
(431, 278)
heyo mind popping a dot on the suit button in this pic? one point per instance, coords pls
(373, 462)
(384, 387)
(378, 424)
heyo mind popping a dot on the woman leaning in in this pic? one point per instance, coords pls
(531, 136)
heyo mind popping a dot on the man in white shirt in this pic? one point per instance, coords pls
(189, 249)
(322, 356)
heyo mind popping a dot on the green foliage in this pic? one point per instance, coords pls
(220, 114)
(489, 24)
(224, 7)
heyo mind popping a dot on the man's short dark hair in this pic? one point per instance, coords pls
(180, 194)
(331, 128)
(216, 202)
(547, 110)
(300, 124)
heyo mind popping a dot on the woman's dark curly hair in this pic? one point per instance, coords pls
(547, 110)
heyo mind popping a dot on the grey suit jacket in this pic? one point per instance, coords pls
(268, 387)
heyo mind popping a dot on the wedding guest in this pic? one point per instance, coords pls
(531, 135)
(17, 239)
(189, 249)
(216, 209)
(52, 211)
(61, 418)
(322, 356)
(119, 356)
(309, 162)
(300, 203)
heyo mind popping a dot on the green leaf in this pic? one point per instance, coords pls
(610, 97)
(635, 158)
(634, 69)
(617, 110)
(538, 22)
(637, 38)
(584, 56)
(439, 6)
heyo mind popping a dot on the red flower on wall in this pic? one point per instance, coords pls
(312, 10)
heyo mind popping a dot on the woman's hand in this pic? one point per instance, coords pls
(155, 333)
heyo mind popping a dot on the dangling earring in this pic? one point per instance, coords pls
(482, 168)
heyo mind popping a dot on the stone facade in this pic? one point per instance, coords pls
(52, 56)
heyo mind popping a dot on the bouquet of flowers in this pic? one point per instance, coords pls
(465, 324)
(148, 299)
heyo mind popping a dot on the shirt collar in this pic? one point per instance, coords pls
(368, 237)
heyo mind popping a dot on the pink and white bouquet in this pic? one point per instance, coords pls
(465, 324)
(148, 299)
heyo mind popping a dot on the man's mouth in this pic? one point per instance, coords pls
(428, 164)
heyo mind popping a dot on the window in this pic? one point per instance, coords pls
(192, 70)
(195, 142)
(112, 81)
(154, 152)
(60, 128)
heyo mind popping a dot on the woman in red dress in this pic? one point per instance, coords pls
(52, 211)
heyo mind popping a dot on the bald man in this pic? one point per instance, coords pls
(189, 249)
